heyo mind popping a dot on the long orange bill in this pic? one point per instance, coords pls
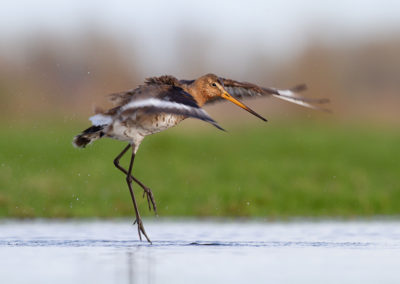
(228, 97)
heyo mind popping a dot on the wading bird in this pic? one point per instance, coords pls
(163, 102)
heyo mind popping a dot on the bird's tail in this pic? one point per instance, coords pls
(88, 136)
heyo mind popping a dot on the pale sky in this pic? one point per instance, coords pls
(233, 27)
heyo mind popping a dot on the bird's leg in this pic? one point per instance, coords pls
(146, 191)
(129, 182)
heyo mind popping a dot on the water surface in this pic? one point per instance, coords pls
(200, 252)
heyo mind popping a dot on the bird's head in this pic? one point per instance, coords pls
(212, 88)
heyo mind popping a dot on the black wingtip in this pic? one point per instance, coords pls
(299, 88)
(219, 127)
(324, 101)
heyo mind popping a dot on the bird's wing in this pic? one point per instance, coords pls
(122, 98)
(156, 99)
(243, 90)
(162, 80)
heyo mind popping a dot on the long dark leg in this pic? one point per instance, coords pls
(146, 190)
(129, 182)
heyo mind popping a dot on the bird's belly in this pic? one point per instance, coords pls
(136, 128)
(159, 122)
(120, 130)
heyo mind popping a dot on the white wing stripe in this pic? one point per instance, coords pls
(288, 93)
(155, 103)
(164, 106)
(299, 102)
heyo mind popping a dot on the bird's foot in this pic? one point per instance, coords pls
(150, 198)
(141, 229)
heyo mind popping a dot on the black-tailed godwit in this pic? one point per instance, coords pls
(163, 102)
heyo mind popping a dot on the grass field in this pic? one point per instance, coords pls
(275, 170)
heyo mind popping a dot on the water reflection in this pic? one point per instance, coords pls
(140, 267)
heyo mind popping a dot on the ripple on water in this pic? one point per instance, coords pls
(202, 251)
(136, 243)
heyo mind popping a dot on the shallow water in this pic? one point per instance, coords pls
(200, 252)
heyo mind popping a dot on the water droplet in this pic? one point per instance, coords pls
(248, 203)
(77, 198)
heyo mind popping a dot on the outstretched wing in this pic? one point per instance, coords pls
(155, 99)
(122, 98)
(243, 90)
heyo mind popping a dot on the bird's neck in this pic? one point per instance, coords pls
(197, 91)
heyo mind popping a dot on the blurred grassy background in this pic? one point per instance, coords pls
(54, 70)
(269, 170)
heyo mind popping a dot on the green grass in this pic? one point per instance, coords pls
(276, 170)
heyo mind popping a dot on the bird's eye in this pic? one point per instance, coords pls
(213, 84)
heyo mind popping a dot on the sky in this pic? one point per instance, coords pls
(236, 28)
